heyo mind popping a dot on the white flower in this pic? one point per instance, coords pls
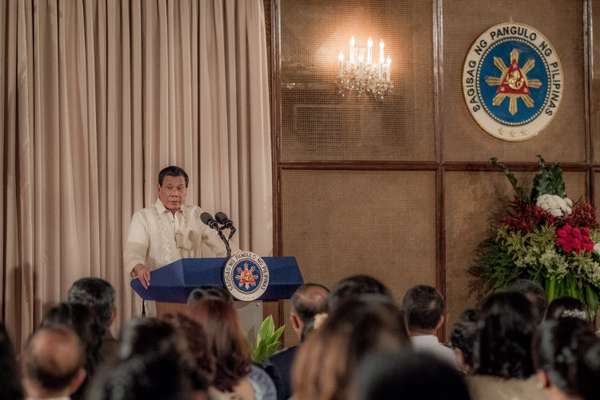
(597, 248)
(555, 205)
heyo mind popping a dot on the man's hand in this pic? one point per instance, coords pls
(142, 272)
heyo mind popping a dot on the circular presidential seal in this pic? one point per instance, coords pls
(512, 81)
(246, 276)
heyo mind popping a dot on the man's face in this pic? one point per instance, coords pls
(172, 192)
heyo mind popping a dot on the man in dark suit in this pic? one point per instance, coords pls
(308, 301)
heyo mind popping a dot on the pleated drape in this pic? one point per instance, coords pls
(97, 96)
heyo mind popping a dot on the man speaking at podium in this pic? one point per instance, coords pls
(168, 230)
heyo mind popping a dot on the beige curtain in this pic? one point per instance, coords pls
(95, 97)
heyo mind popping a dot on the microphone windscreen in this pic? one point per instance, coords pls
(206, 218)
(221, 218)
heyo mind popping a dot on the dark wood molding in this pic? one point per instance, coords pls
(588, 66)
(438, 123)
(361, 165)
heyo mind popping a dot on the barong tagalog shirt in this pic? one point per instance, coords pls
(158, 237)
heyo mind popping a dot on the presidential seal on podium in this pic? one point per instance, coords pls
(246, 276)
(512, 81)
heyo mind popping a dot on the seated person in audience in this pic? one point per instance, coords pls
(408, 375)
(307, 301)
(567, 307)
(10, 382)
(99, 295)
(234, 370)
(355, 286)
(462, 339)
(53, 363)
(83, 321)
(208, 291)
(555, 348)
(588, 370)
(154, 376)
(503, 358)
(535, 293)
(423, 308)
(151, 337)
(326, 362)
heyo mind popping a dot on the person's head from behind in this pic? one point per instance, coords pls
(555, 352)
(208, 292)
(143, 336)
(462, 338)
(53, 362)
(157, 376)
(355, 286)
(503, 345)
(172, 187)
(196, 343)
(84, 322)
(408, 375)
(535, 293)
(588, 370)
(10, 384)
(226, 341)
(326, 362)
(308, 300)
(423, 308)
(97, 294)
(568, 307)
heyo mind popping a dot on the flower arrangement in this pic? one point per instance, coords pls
(545, 237)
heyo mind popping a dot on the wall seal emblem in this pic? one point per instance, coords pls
(512, 81)
(246, 276)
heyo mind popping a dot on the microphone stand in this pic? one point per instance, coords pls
(226, 241)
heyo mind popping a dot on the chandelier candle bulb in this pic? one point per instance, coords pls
(341, 59)
(381, 46)
(351, 50)
(370, 51)
(389, 69)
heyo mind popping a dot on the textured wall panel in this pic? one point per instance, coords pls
(595, 92)
(562, 23)
(340, 223)
(471, 199)
(317, 124)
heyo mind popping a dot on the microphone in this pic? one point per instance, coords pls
(226, 223)
(222, 219)
(208, 219)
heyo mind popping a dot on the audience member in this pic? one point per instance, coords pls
(84, 322)
(503, 358)
(53, 363)
(423, 308)
(567, 307)
(154, 376)
(588, 370)
(355, 286)
(206, 292)
(10, 383)
(555, 349)
(99, 295)
(326, 362)
(408, 375)
(462, 339)
(309, 300)
(535, 293)
(226, 344)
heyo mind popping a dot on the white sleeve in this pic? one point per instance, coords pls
(138, 241)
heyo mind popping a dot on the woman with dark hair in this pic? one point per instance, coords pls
(555, 349)
(151, 337)
(462, 339)
(326, 362)
(568, 307)
(84, 322)
(502, 362)
(10, 382)
(227, 345)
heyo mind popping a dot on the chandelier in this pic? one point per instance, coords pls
(359, 74)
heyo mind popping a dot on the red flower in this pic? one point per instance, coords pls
(526, 217)
(575, 239)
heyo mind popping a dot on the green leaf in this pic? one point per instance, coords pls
(521, 193)
(267, 340)
(548, 180)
